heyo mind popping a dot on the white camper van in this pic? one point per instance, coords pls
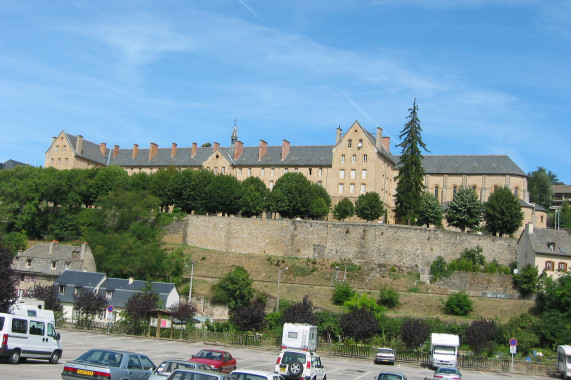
(564, 361)
(299, 336)
(28, 337)
(444, 350)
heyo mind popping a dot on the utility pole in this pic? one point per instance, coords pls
(278, 296)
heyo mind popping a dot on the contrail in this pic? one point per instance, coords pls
(249, 9)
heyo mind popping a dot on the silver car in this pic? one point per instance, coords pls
(109, 364)
(449, 373)
(169, 366)
(193, 374)
(252, 374)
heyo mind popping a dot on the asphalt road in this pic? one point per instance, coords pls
(75, 343)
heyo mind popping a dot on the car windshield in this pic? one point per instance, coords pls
(290, 357)
(447, 370)
(446, 350)
(248, 376)
(212, 355)
(389, 376)
(108, 358)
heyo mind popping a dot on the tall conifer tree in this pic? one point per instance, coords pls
(411, 173)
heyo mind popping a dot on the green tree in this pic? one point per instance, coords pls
(429, 211)
(502, 212)
(254, 197)
(527, 281)
(108, 179)
(565, 215)
(328, 325)
(369, 206)
(410, 179)
(291, 196)
(359, 324)
(300, 312)
(458, 304)
(50, 295)
(14, 242)
(249, 317)
(8, 292)
(553, 303)
(87, 303)
(540, 186)
(223, 195)
(235, 289)
(160, 185)
(465, 210)
(319, 203)
(439, 269)
(344, 209)
(388, 297)
(364, 301)
(521, 327)
(341, 293)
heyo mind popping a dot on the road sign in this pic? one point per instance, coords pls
(513, 342)
(513, 350)
(110, 308)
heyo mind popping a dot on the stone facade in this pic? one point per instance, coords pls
(413, 248)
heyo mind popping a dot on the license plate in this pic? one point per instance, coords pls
(84, 372)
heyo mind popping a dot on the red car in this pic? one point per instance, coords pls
(219, 360)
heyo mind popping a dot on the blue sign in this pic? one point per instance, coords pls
(513, 342)
(110, 308)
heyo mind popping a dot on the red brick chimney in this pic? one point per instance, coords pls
(193, 151)
(135, 150)
(153, 151)
(263, 150)
(215, 146)
(238, 149)
(102, 148)
(115, 150)
(387, 143)
(173, 150)
(285, 149)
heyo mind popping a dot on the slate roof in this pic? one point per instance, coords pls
(541, 236)
(531, 205)
(469, 164)
(89, 151)
(121, 288)
(562, 189)
(42, 260)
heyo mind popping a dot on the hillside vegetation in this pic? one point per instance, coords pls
(316, 278)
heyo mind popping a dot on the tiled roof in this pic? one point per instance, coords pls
(90, 151)
(531, 205)
(541, 236)
(470, 164)
(562, 189)
(42, 260)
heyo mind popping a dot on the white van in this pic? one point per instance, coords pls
(300, 336)
(28, 337)
(564, 361)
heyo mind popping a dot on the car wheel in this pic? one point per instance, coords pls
(295, 369)
(14, 357)
(55, 357)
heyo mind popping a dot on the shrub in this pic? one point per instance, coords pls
(439, 269)
(458, 304)
(342, 293)
(388, 297)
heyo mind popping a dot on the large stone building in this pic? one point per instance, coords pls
(360, 161)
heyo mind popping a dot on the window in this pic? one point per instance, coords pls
(353, 173)
(65, 161)
(61, 289)
(436, 190)
(364, 173)
(57, 148)
(496, 187)
(342, 158)
(272, 172)
(354, 158)
(37, 328)
(134, 362)
(309, 170)
(541, 218)
(224, 170)
(319, 183)
(474, 189)
(77, 290)
(271, 185)
(109, 294)
(549, 265)
(215, 170)
(454, 190)
(19, 326)
(295, 170)
(562, 266)
(262, 172)
(249, 172)
(320, 172)
(360, 143)
(352, 188)
(364, 158)
(239, 172)
(349, 143)
(342, 173)
(64, 148)
(54, 264)
(363, 188)
(516, 192)
(285, 170)
(59, 161)
(29, 262)
(340, 188)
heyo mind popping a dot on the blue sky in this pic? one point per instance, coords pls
(489, 76)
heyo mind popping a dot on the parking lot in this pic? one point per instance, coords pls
(75, 343)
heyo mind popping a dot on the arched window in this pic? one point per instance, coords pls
(436, 189)
(454, 190)
(516, 192)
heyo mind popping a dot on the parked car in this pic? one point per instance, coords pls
(194, 374)
(296, 364)
(169, 366)
(219, 360)
(385, 355)
(109, 365)
(252, 374)
(449, 373)
(390, 376)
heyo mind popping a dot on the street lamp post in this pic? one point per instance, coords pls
(279, 276)
(191, 276)
(334, 276)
